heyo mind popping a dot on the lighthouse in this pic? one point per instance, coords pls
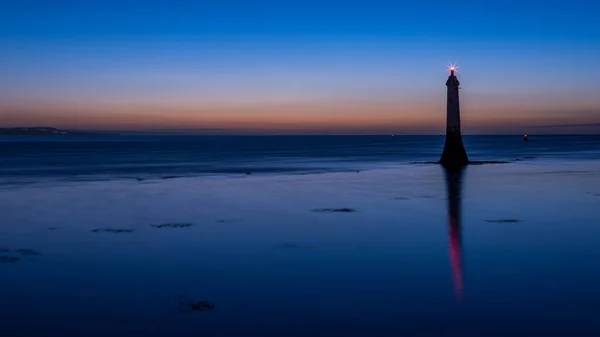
(454, 154)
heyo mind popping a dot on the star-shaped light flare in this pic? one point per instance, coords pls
(452, 67)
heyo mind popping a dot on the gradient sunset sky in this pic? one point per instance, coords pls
(287, 66)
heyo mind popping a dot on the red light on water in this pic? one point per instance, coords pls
(455, 257)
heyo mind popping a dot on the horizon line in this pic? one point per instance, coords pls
(231, 132)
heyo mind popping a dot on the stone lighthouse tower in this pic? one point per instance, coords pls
(454, 155)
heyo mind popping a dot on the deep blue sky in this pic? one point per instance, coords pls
(465, 20)
(355, 65)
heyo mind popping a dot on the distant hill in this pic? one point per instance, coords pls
(40, 131)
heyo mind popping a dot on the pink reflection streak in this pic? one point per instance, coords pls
(455, 257)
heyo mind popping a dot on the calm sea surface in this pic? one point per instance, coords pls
(327, 236)
(113, 157)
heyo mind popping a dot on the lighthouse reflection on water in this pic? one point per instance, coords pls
(453, 190)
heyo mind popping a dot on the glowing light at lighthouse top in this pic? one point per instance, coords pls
(452, 67)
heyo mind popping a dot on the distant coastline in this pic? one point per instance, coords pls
(43, 131)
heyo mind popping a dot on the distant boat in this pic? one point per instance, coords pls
(525, 139)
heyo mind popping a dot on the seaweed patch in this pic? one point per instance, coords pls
(296, 246)
(171, 177)
(27, 252)
(9, 259)
(186, 305)
(504, 221)
(111, 230)
(488, 162)
(335, 210)
(172, 225)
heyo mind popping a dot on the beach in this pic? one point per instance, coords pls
(385, 251)
(299, 169)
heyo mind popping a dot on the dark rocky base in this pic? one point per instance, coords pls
(454, 154)
(475, 162)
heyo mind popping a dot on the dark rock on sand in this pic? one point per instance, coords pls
(202, 306)
(504, 220)
(171, 177)
(335, 210)
(296, 246)
(111, 230)
(567, 172)
(172, 225)
(9, 259)
(186, 304)
(27, 252)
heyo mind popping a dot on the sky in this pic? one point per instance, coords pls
(300, 67)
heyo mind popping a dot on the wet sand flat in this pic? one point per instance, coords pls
(379, 253)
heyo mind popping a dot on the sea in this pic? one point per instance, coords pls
(298, 236)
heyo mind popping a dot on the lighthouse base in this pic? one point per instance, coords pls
(454, 155)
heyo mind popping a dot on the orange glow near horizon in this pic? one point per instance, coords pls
(482, 112)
